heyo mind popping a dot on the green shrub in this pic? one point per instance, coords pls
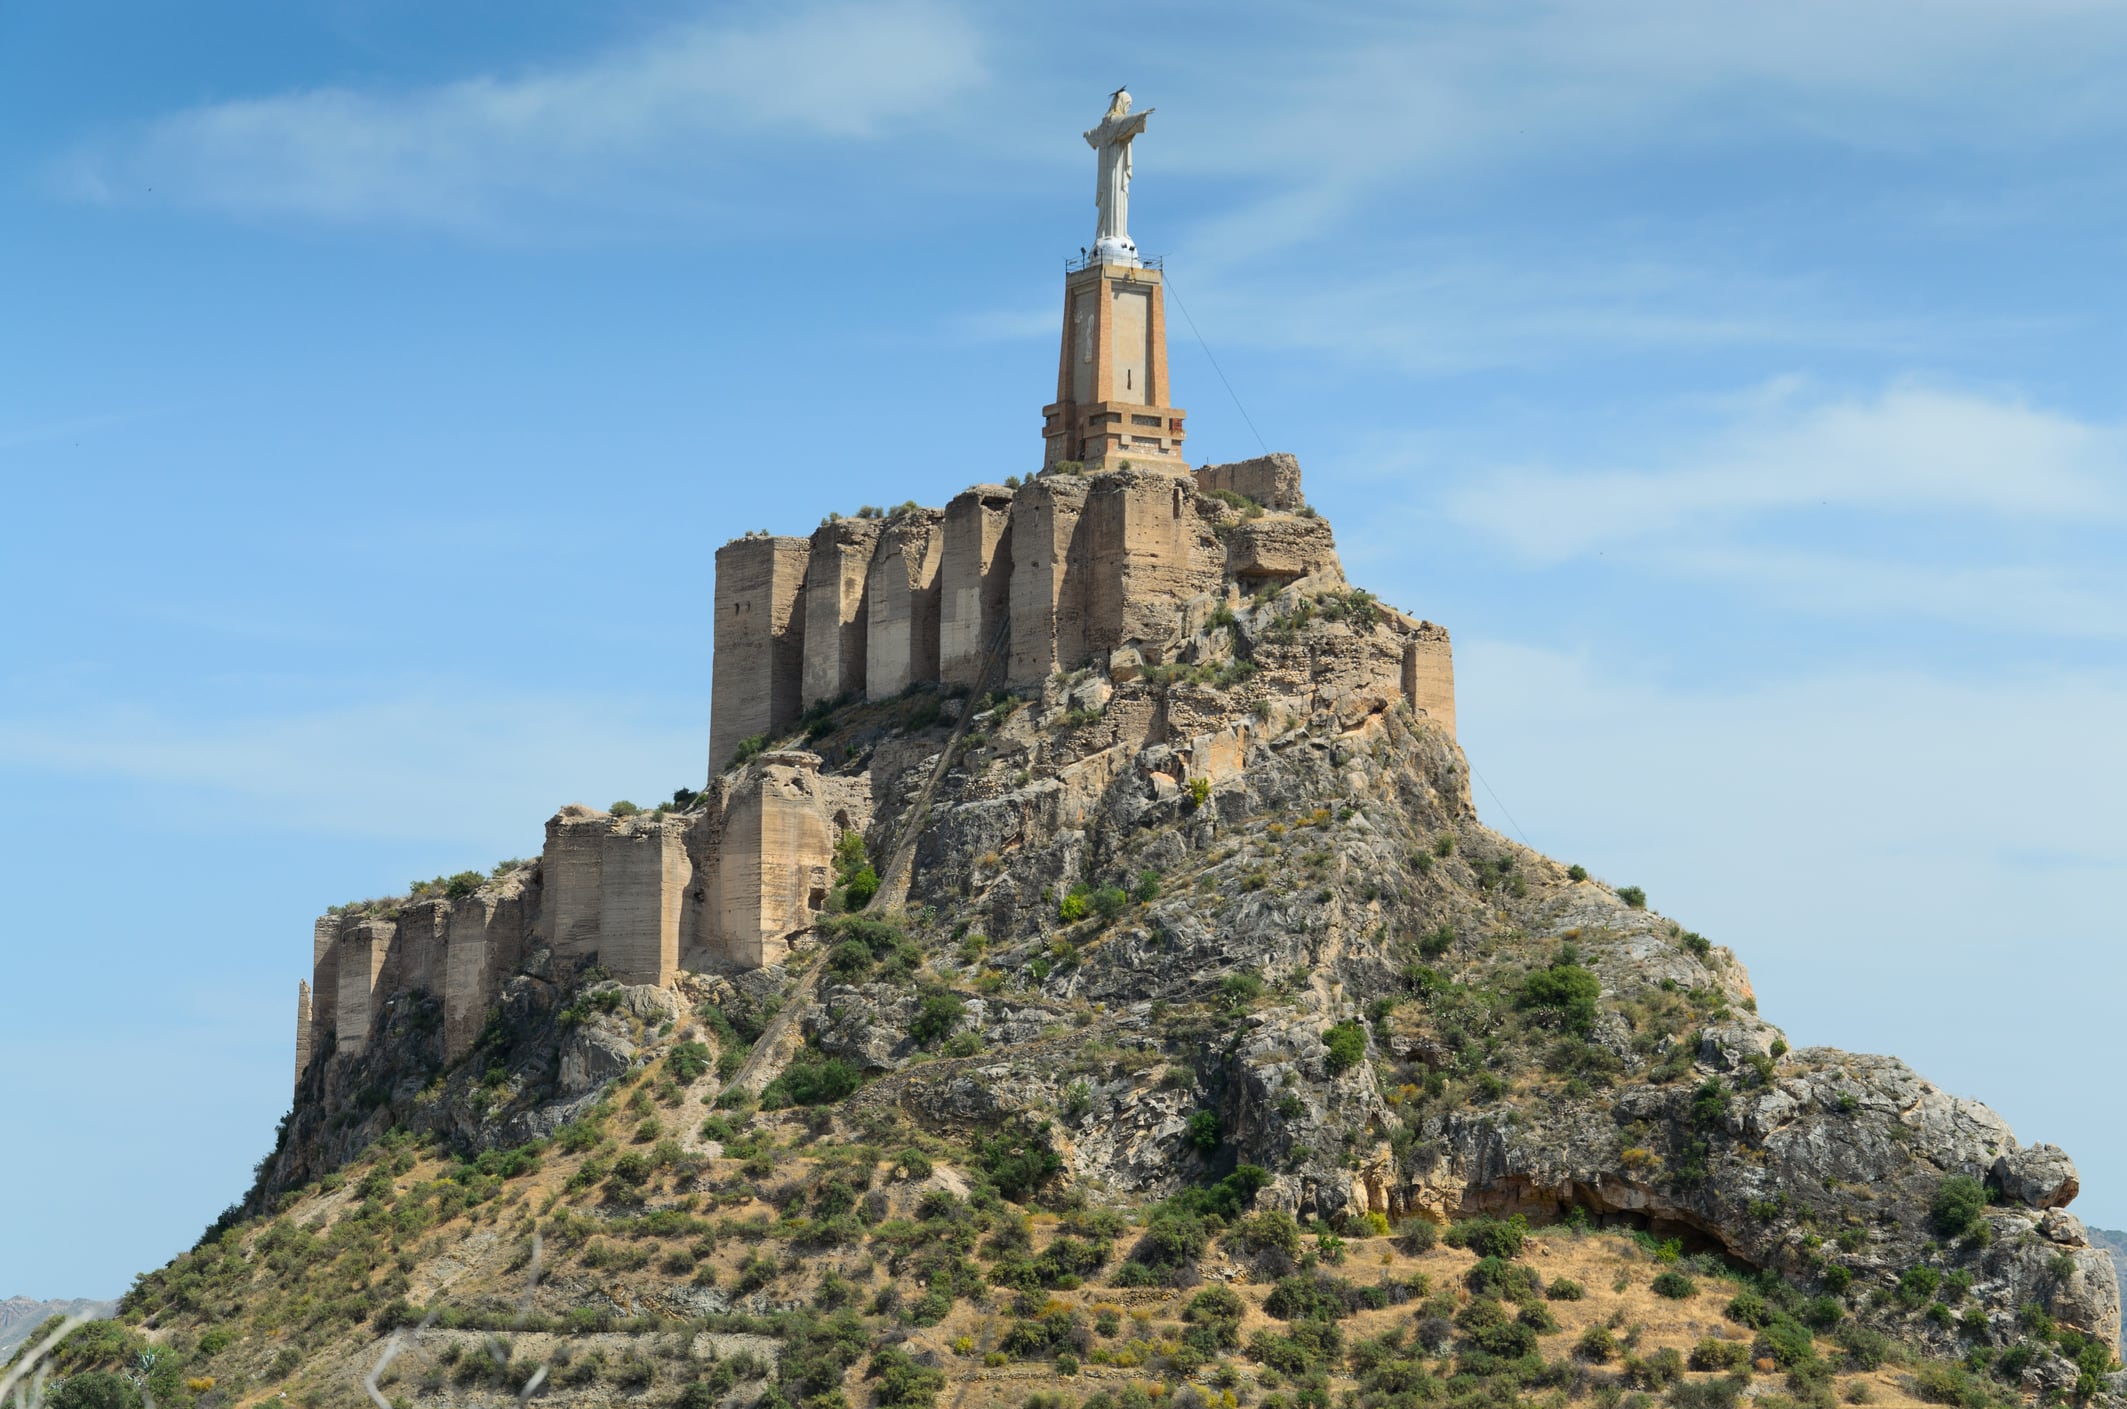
(902, 1382)
(1700, 946)
(936, 1017)
(1347, 1046)
(1273, 1228)
(688, 1062)
(860, 887)
(1656, 1370)
(1564, 992)
(1565, 1289)
(1959, 1202)
(1708, 1394)
(1202, 1132)
(1711, 1354)
(1415, 1236)
(1018, 1160)
(94, 1389)
(1675, 1286)
(812, 1079)
(1576, 872)
(850, 961)
(1148, 886)
(1072, 908)
(1596, 1344)
(1917, 1287)
(1486, 1326)
(1490, 1237)
(1498, 1277)
(1310, 1297)
(1786, 1342)
(1109, 902)
(1949, 1384)
(1633, 896)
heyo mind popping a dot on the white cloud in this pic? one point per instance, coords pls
(445, 762)
(678, 111)
(1909, 449)
(1398, 97)
(1957, 468)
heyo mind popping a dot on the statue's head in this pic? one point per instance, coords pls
(1118, 102)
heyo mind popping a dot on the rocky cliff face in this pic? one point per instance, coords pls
(1206, 935)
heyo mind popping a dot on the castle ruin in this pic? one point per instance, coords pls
(1109, 557)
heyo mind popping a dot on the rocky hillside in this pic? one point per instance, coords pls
(1268, 1080)
(20, 1315)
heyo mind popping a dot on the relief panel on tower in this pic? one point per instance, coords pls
(1085, 332)
(1133, 343)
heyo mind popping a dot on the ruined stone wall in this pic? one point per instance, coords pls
(1146, 552)
(420, 933)
(1047, 597)
(758, 673)
(1267, 553)
(974, 580)
(901, 646)
(302, 1028)
(324, 978)
(1271, 480)
(642, 887)
(364, 947)
(489, 935)
(1429, 675)
(777, 857)
(836, 616)
(570, 867)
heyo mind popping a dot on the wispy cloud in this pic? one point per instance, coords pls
(1391, 95)
(668, 120)
(1909, 450)
(1916, 502)
(446, 761)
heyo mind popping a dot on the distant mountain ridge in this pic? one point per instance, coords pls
(2114, 1242)
(19, 1315)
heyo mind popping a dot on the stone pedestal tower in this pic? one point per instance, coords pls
(1111, 376)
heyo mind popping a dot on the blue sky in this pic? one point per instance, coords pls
(1740, 384)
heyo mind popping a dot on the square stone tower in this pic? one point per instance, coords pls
(1111, 377)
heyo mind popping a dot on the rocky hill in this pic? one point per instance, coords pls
(1173, 1030)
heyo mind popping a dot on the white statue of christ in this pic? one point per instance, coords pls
(1112, 194)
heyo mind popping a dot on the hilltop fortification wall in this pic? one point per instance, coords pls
(1075, 566)
(1123, 570)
